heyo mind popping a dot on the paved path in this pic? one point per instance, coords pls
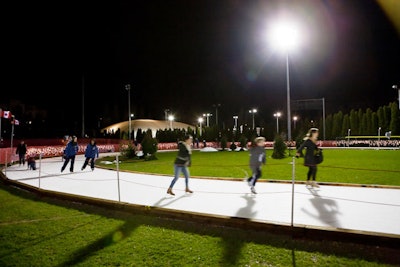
(369, 210)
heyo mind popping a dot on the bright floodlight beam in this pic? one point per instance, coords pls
(285, 36)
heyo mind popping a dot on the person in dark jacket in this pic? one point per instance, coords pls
(182, 161)
(31, 163)
(91, 152)
(21, 151)
(257, 159)
(70, 152)
(310, 144)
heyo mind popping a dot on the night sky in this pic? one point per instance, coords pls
(187, 56)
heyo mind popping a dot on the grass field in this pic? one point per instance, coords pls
(358, 166)
(38, 231)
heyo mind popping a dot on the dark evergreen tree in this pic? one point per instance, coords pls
(279, 148)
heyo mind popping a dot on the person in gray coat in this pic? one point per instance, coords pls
(257, 159)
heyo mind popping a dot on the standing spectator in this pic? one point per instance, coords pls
(257, 159)
(310, 143)
(70, 152)
(91, 152)
(182, 162)
(21, 151)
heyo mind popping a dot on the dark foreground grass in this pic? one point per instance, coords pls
(48, 232)
(358, 166)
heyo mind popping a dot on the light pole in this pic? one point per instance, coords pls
(348, 137)
(253, 111)
(207, 115)
(200, 122)
(166, 115)
(170, 118)
(285, 36)
(128, 88)
(216, 113)
(379, 135)
(236, 119)
(277, 115)
(295, 118)
(395, 87)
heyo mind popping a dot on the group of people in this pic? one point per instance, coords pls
(183, 159)
(257, 160)
(71, 150)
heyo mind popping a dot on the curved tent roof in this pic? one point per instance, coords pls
(145, 124)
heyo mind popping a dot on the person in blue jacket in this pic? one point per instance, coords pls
(91, 153)
(70, 152)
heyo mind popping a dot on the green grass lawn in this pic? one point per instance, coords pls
(358, 166)
(39, 231)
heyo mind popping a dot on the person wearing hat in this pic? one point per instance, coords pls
(257, 159)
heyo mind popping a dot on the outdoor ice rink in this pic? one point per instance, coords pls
(368, 210)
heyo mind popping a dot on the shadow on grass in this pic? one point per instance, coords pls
(233, 239)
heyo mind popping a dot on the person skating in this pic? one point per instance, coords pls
(310, 144)
(91, 153)
(182, 163)
(257, 159)
(70, 152)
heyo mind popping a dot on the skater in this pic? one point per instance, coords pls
(91, 152)
(182, 162)
(310, 144)
(257, 159)
(21, 151)
(70, 152)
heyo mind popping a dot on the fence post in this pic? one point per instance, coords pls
(119, 194)
(293, 179)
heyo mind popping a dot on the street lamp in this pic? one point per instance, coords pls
(236, 119)
(166, 115)
(207, 115)
(348, 137)
(128, 88)
(170, 118)
(395, 87)
(253, 111)
(216, 113)
(295, 118)
(200, 122)
(277, 115)
(285, 36)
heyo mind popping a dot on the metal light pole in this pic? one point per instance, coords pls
(166, 115)
(216, 113)
(170, 118)
(288, 99)
(253, 111)
(200, 122)
(348, 137)
(207, 115)
(277, 115)
(128, 88)
(395, 87)
(285, 36)
(295, 118)
(236, 119)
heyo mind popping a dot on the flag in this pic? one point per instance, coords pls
(7, 114)
(16, 122)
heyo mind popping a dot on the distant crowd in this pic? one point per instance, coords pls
(368, 143)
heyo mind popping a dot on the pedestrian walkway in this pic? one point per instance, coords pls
(367, 210)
